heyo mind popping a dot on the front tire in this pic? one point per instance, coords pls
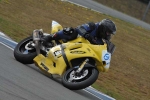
(88, 77)
(22, 54)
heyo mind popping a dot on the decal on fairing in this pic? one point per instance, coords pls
(44, 67)
(77, 52)
(106, 56)
(57, 53)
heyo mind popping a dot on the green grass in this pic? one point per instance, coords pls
(107, 92)
(128, 77)
(7, 27)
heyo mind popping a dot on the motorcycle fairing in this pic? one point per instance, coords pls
(82, 50)
(56, 64)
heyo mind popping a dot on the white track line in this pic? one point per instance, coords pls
(6, 46)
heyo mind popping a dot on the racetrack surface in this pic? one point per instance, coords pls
(26, 82)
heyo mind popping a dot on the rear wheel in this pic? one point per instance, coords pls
(24, 52)
(81, 80)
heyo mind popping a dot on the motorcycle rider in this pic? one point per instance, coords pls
(94, 32)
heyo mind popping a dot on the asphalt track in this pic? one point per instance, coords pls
(106, 10)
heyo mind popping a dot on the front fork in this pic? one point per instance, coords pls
(82, 66)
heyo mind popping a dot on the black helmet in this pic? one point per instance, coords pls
(105, 29)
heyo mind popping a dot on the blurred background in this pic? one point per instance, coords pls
(139, 9)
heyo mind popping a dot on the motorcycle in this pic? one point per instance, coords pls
(77, 62)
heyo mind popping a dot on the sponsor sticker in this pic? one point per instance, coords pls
(77, 52)
(106, 56)
(57, 53)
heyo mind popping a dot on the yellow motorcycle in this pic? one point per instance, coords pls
(77, 62)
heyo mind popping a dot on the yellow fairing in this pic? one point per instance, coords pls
(79, 50)
(52, 64)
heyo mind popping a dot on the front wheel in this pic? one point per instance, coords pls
(23, 52)
(75, 81)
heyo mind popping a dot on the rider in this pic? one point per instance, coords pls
(94, 32)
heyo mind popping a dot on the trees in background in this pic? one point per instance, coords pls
(145, 1)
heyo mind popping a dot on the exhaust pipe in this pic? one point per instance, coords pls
(36, 39)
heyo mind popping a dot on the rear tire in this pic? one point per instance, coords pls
(20, 49)
(87, 80)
